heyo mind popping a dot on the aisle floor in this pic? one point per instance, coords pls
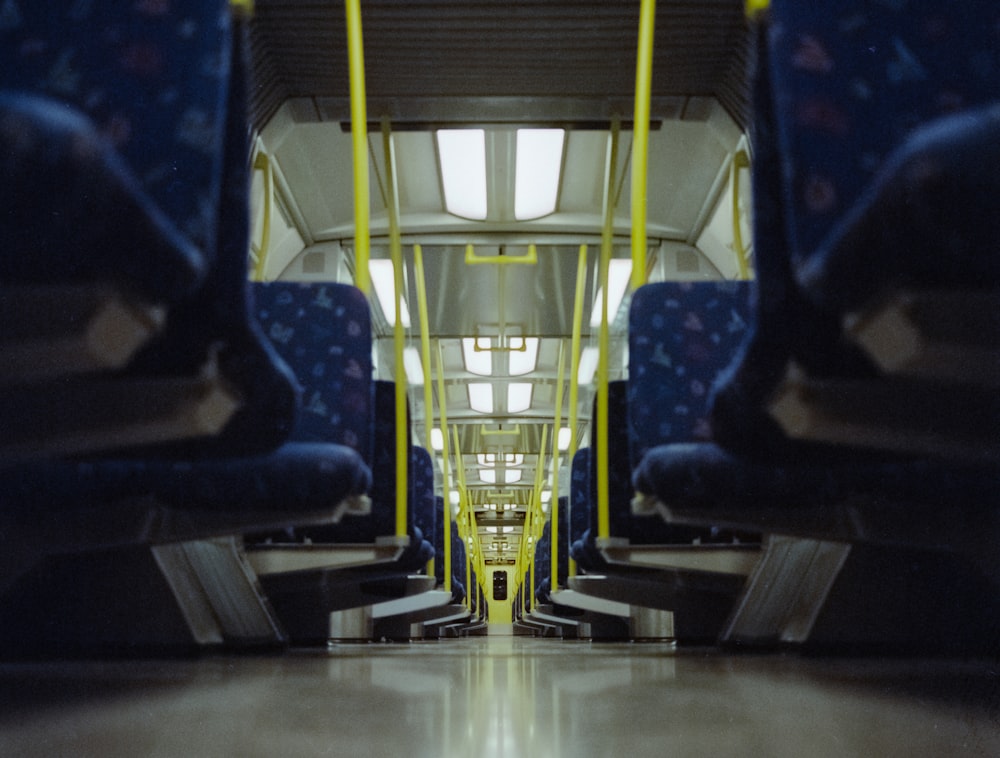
(501, 696)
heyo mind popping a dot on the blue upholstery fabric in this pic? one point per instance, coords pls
(152, 79)
(711, 481)
(108, 228)
(579, 494)
(218, 319)
(784, 325)
(295, 480)
(424, 516)
(323, 332)
(681, 337)
(853, 81)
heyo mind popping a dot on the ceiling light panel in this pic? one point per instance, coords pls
(619, 272)
(414, 368)
(481, 397)
(538, 168)
(383, 279)
(519, 396)
(463, 171)
(478, 356)
(523, 355)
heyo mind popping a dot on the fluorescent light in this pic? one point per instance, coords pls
(536, 181)
(506, 530)
(519, 396)
(513, 459)
(481, 397)
(479, 361)
(619, 272)
(463, 171)
(588, 365)
(384, 281)
(492, 530)
(512, 476)
(564, 438)
(414, 368)
(546, 496)
(523, 361)
(488, 475)
(454, 497)
(437, 439)
(486, 459)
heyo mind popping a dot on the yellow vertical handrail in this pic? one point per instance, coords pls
(640, 139)
(398, 335)
(359, 139)
(262, 162)
(463, 494)
(740, 161)
(554, 507)
(445, 469)
(574, 371)
(425, 356)
(604, 341)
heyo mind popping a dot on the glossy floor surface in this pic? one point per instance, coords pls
(501, 696)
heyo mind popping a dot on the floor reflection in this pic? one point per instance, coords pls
(501, 696)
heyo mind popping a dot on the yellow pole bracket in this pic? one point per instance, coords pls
(472, 258)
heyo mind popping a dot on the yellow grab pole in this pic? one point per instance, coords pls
(425, 358)
(574, 371)
(601, 437)
(262, 162)
(359, 138)
(640, 139)
(463, 494)
(740, 161)
(554, 508)
(446, 470)
(398, 335)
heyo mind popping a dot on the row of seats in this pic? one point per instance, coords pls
(185, 459)
(835, 425)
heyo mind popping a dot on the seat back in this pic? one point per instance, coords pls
(152, 78)
(682, 336)
(853, 79)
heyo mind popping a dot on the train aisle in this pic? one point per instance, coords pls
(500, 696)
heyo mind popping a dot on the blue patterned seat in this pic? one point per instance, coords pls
(885, 118)
(682, 337)
(145, 85)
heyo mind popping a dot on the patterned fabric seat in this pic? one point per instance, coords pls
(884, 118)
(144, 81)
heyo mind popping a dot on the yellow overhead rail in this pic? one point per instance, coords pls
(740, 161)
(755, 7)
(359, 138)
(640, 139)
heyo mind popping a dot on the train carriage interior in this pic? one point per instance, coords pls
(552, 377)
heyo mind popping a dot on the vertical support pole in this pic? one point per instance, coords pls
(359, 141)
(603, 479)
(640, 139)
(574, 371)
(740, 161)
(398, 335)
(446, 469)
(425, 357)
(554, 506)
